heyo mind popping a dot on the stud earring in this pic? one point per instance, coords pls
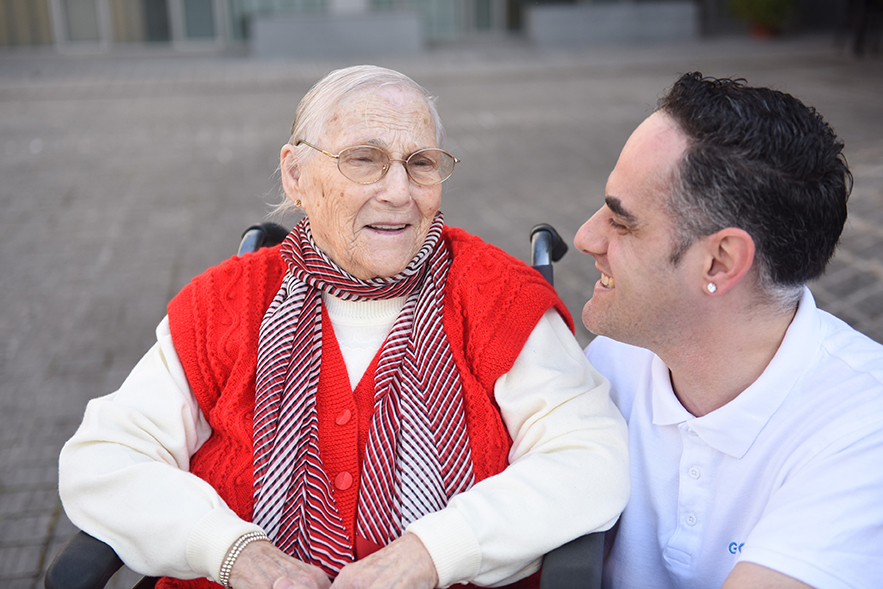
(712, 287)
(297, 203)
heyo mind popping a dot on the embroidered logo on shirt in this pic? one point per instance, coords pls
(735, 547)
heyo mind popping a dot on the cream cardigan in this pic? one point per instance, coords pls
(123, 476)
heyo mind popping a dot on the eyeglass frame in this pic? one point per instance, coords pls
(386, 168)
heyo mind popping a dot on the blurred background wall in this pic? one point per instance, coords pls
(90, 24)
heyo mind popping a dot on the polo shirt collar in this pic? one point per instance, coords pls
(732, 429)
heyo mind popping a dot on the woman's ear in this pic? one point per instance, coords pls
(729, 255)
(290, 172)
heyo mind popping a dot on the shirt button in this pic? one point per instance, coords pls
(344, 417)
(694, 472)
(343, 481)
(691, 519)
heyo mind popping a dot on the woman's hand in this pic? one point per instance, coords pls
(403, 564)
(263, 566)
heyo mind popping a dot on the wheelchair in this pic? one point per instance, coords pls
(88, 563)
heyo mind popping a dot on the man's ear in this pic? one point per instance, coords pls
(728, 256)
(290, 172)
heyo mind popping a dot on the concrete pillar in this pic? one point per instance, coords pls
(105, 23)
(61, 20)
(222, 22)
(176, 21)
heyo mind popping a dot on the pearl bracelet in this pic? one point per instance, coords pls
(234, 552)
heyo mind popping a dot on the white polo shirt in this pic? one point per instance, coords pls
(788, 475)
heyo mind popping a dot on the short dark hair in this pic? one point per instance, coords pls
(760, 160)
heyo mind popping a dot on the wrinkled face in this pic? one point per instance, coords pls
(641, 293)
(369, 230)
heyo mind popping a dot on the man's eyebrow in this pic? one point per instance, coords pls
(615, 205)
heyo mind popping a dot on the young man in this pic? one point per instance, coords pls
(755, 419)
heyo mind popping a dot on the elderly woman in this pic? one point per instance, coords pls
(381, 400)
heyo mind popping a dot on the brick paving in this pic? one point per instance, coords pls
(123, 175)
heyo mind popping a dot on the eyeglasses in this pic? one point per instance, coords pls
(366, 164)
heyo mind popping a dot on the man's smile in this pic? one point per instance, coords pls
(607, 281)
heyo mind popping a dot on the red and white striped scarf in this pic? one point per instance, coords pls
(417, 455)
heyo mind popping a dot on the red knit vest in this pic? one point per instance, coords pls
(492, 303)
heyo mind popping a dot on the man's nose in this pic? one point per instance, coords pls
(590, 238)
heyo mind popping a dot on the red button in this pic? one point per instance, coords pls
(344, 417)
(343, 481)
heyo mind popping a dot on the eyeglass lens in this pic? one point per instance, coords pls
(366, 164)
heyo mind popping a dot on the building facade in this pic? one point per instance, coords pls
(102, 23)
(71, 24)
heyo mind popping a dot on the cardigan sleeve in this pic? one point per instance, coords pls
(567, 473)
(123, 476)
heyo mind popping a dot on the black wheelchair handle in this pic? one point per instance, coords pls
(546, 245)
(258, 236)
(83, 563)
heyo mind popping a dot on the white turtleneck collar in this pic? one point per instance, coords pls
(361, 328)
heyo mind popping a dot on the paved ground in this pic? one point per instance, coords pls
(122, 176)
